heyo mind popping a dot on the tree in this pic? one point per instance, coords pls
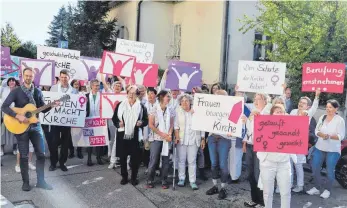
(302, 31)
(27, 50)
(9, 38)
(58, 27)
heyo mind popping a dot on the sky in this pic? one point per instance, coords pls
(30, 18)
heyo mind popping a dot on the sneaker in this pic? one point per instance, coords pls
(26, 187)
(44, 185)
(277, 190)
(17, 168)
(63, 168)
(194, 186)
(325, 194)
(298, 189)
(111, 166)
(222, 193)
(313, 191)
(150, 184)
(32, 166)
(165, 185)
(250, 204)
(180, 183)
(212, 191)
(15, 152)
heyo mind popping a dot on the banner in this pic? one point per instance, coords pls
(142, 51)
(117, 64)
(263, 77)
(44, 71)
(64, 59)
(69, 113)
(90, 67)
(145, 74)
(14, 71)
(93, 134)
(6, 64)
(286, 134)
(329, 77)
(183, 78)
(218, 114)
(109, 102)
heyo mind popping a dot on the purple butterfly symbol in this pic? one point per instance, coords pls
(38, 73)
(92, 71)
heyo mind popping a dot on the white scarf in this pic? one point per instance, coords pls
(146, 130)
(182, 123)
(131, 116)
(164, 126)
(69, 88)
(94, 105)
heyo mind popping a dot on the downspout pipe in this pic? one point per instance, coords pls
(138, 21)
(226, 45)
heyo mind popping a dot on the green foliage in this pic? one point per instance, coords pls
(27, 50)
(302, 31)
(58, 28)
(9, 38)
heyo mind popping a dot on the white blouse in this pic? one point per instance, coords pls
(335, 127)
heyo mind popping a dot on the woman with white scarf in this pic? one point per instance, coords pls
(161, 120)
(188, 141)
(130, 117)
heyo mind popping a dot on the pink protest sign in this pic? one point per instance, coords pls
(329, 77)
(286, 134)
(117, 64)
(145, 74)
(109, 102)
(236, 112)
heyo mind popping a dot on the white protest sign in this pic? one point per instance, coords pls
(142, 51)
(64, 59)
(69, 113)
(94, 133)
(44, 71)
(90, 67)
(218, 114)
(259, 76)
(109, 102)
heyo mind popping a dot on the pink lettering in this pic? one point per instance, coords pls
(95, 122)
(97, 140)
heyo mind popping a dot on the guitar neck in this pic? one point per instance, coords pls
(42, 108)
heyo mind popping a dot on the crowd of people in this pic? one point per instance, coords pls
(153, 127)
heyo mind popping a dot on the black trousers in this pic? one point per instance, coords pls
(60, 134)
(254, 172)
(35, 135)
(132, 148)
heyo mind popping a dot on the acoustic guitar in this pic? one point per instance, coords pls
(29, 111)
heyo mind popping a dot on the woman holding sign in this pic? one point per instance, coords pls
(330, 131)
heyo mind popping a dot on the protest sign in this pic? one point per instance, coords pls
(6, 63)
(117, 64)
(109, 102)
(44, 71)
(142, 51)
(218, 114)
(145, 74)
(329, 77)
(183, 78)
(94, 133)
(90, 67)
(14, 70)
(259, 76)
(69, 113)
(64, 59)
(183, 63)
(286, 134)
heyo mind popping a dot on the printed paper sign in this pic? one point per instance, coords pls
(6, 64)
(286, 134)
(329, 77)
(109, 102)
(70, 113)
(145, 74)
(142, 51)
(90, 66)
(259, 76)
(218, 114)
(44, 71)
(93, 134)
(64, 59)
(14, 71)
(183, 78)
(182, 63)
(117, 64)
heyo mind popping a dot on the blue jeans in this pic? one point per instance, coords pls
(318, 158)
(219, 153)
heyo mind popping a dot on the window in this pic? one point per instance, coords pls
(174, 51)
(260, 51)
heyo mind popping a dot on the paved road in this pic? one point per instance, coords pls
(97, 186)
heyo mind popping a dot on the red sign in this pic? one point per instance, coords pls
(286, 134)
(97, 140)
(329, 77)
(145, 74)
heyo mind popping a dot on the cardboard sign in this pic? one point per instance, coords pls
(70, 113)
(109, 102)
(329, 77)
(44, 71)
(142, 51)
(183, 78)
(14, 71)
(117, 64)
(286, 134)
(259, 76)
(64, 59)
(145, 74)
(182, 63)
(218, 114)
(90, 66)
(6, 63)
(93, 134)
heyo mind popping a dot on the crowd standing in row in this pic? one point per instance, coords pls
(151, 124)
